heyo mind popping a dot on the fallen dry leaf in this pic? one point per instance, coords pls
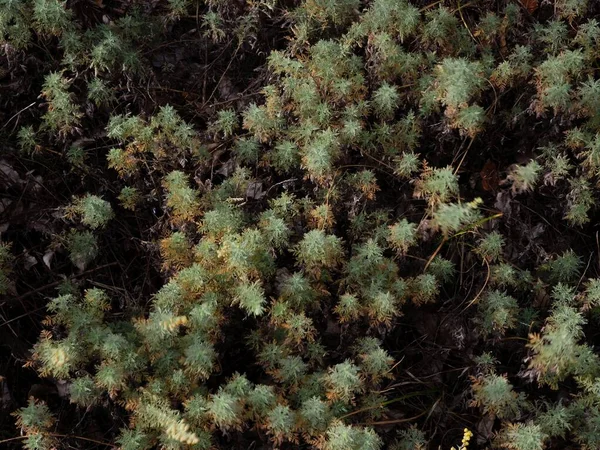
(490, 179)
(255, 190)
(29, 261)
(48, 258)
(530, 5)
(9, 176)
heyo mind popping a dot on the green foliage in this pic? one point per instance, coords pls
(592, 292)
(504, 274)
(452, 217)
(495, 395)
(82, 247)
(226, 123)
(375, 362)
(292, 225)
(224, 409)
(555, 421)
(99, 92)
(176, 251)
(553, 35)
(525, 177)
(76, 156)
(403, 235)
(458, 81)
(133, 439)
(348, 308)
(14, 27)
(109, 49)
(314, 414)
(27, 139)
(139, 139)
(557, 352)
(385, 101)
(251, 298)
(35, 417)
(424, 288)
(554, 79)
(564, 268)
(345, 437)
(319, 250)
(178, 7)
(129, 197)
(343, 382)
(285, 156)
(441, 27)
(335, 12)
(63, 114)
(442, 269)
(84, 392)
(213, 26)
(411, 439)
(407, 164)
(382, 307)
(281, 422)
(50, 17)
(498, 312)
(522, 436)
(35, 420)
(470, 120)
(399, 19)
(180, 197)
(580, 201)
(437, 185)
(93, 211)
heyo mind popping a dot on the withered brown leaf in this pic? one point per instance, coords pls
(530, 5)
(490, 179)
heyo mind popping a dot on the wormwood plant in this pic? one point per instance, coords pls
(305, 232)
(63, 114)
(92, 211)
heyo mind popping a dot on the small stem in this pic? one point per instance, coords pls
(56, 283)
(81, 438)
(391, 422)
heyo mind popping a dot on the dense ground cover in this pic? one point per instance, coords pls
(331, 224)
